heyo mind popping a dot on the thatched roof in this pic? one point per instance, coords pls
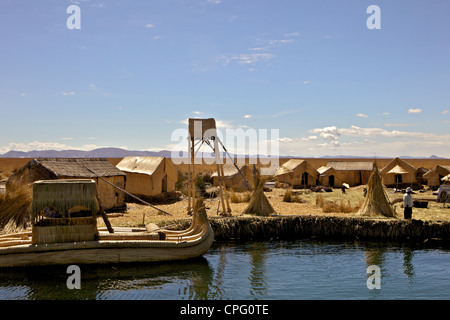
(329, 171)
(296, 164)
(76, 167)
(147, 165)
(438, 169)
(397, 170)
(229, 170)
(351, 165)
(402, 165)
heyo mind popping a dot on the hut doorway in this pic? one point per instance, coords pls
(398, 178)
(304, 179)
(164, 184)
(331, 181)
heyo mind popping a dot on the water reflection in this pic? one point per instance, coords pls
(253, 270)
(109, 281)
(257, 278)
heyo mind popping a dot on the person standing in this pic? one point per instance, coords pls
(407, 204)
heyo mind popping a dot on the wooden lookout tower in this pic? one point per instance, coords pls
(203, 131)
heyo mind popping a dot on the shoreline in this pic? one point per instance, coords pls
(325, 228)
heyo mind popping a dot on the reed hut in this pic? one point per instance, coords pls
(376, 202)
(435, 175)
(297, 173)
(64, 211)
(398, 173)
(149, 177)
(233, 178)
(330, 177)
(96, 169)
(353, 173)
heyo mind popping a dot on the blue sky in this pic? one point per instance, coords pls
(136, 70)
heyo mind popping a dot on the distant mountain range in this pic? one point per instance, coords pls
(120, 153)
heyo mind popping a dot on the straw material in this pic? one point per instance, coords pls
(259, 204)
(376, 202)
(61, 234)
(15, 210)
(62, 195)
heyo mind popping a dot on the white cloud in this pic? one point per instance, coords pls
(398, 124)
(327, 133)
(417, 110)
(214, 1)
(247, 116)
(292, 34)
(247, 58)
(68, 93)
(284, 112)
(383, 114)
(224, 124)
(307, 82)
(23, 94)
(445, 112)
(149, 25)
(358, 141)
(198, 112)
(362, 115)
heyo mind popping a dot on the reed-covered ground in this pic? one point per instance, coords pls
(303, 203)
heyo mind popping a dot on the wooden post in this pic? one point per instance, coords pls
(104, 216)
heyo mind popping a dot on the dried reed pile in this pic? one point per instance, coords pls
(289, 196)
(239, 197)
(259, 204)
(15, 208)
(376, 202)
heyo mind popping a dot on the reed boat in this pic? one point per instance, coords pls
(71, 239)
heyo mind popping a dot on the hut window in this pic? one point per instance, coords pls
(398, 178)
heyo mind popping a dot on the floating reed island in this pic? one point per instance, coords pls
(290, 227)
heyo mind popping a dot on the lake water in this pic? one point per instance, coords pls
(280, 270)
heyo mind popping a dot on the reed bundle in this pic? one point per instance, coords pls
(15, 208)
(376, 202)
(239, 197)
(259, 204)
(289, 196)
